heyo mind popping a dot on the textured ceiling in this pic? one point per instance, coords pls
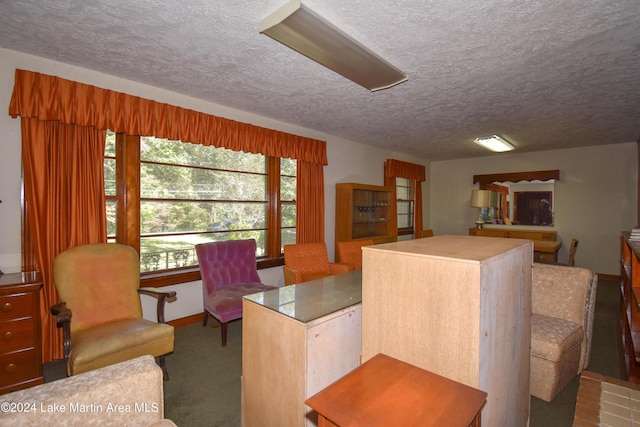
(545, 74)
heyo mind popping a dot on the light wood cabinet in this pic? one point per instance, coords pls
(296, 341)
(458, 306)
(20, 342)
(364, 212)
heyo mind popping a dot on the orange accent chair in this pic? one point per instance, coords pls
(350, 253)
(426, 233)
(309, 261)
(100, 283)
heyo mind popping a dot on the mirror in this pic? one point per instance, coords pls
(524, 198)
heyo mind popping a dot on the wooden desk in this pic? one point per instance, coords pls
(545, 243)
(546, 251)
(388, 392)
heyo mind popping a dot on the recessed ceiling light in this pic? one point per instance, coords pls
(494, 143)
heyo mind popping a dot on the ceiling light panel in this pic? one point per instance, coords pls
(308, 33)
(494, 143)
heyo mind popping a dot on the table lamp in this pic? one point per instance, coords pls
(480, 199)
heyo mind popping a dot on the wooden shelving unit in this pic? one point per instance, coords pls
(630, 311)
(364, 212)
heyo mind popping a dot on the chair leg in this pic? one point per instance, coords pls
(165, 373)
(205, 319)
(223, 330)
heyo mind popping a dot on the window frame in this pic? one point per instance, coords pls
(127, 149)
(411, 188)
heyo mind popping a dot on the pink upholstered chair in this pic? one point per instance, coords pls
(229, 272)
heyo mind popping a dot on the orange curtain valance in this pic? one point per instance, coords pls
(400, 169)
(47, 97)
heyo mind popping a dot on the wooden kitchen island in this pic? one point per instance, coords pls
(297, 340)
(457, 306)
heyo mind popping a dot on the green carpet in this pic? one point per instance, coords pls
(204, 389)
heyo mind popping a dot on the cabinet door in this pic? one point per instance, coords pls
(333, 350)
(370, 214)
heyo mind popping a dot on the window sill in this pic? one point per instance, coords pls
(175, 277)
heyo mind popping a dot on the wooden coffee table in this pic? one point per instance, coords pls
(388, 392)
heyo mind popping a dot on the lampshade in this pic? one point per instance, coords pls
(304, 31)
(481, 198)
(494, 143)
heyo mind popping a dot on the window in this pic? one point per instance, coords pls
(164, 197)
(533, 208)
(405, 205)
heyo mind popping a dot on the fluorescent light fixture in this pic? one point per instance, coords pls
(494, 143)
(304, 31)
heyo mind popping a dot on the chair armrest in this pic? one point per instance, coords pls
(337, 268)
(62, 313)
(162, 297)
(353, 267)
(63, 320)
(291, 276)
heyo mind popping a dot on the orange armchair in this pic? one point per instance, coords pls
(425, 233)
(309, 261)
(350, 253)
(100, 283)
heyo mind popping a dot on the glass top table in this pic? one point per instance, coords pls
(314, 299)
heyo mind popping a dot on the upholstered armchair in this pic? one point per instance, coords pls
(563, 306)
(425, 233)
(309, 261)
(101, 314)
(229, 272)
(350, 253)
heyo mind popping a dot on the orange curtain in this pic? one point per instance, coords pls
(53, 98)
(64, 189)
(398, 169)
(310, 203)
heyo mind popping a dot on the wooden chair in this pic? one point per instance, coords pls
(572, 255)
(309, 261)
(350, 253)
(572, 252)
(100, 283)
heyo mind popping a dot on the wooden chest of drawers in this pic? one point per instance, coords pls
(20, 341)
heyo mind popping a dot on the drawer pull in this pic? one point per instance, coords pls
(11, 368)
(7, 336)
(7, 307)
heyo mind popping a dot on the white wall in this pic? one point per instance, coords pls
(348, 162)
(595, 198)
